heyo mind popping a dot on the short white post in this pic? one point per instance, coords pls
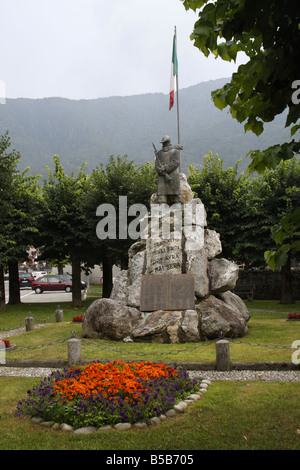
(59, 314)
(223, 355)
(74, 350)
(2, 352)
(29, 323)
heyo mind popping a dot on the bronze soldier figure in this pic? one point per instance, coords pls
(167, 167)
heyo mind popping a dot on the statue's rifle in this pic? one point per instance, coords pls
(166, 175)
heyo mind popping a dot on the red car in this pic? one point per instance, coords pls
(51, 283)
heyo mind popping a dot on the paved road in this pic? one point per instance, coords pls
(29, 296)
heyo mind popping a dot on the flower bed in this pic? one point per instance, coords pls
(293, 316)
(6, 342)
(78, 319)
(107, 394)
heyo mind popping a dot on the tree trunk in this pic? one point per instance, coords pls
(2, 290)
(76, 285)
(14, 286)
(107, 276)
(286, 284)
(60, 268)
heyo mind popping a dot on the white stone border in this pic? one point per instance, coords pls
(179, 408)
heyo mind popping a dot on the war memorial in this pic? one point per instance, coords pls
(177, 287)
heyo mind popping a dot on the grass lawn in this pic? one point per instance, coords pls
(230, 416)
(265, 330)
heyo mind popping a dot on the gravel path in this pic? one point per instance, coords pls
(263, 376)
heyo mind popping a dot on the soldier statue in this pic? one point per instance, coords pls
(167, 165)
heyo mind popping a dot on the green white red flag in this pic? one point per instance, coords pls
(174, 73)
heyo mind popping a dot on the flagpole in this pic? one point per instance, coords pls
(178, 118)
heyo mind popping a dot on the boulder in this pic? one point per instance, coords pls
(218, 318)
(190, 326)
(119, 290)
(159, 327)
(212, 243)
(187, 193)
(236, 303)
(213, 317)
(223, 275)
(108, 318)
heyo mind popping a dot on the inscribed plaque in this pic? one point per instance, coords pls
(167, 292)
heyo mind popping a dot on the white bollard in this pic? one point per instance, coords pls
(59, 314)
(74, 351)
(223, 355)
(29, 323)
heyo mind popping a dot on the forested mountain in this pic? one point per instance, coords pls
(93, 130)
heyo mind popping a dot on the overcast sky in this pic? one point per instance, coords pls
(83, 49)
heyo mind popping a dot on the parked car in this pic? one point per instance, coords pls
(68, 277)
(51, 283)
(25, 279)
(37, 274)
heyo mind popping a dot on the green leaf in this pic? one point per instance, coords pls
(270, 259)
(222, 51)
(295, 129)
(219, 99)
(254, 125)
(281, 255)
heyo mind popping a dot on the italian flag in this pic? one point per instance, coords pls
(174, 72)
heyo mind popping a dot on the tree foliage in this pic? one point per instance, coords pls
(262, 88)
(244, 210)
(268, 34)
(62, 222)
(120, 177)
(19, 207)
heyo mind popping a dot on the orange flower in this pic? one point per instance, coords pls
(112, 379)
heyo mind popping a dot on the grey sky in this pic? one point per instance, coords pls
(83, 49)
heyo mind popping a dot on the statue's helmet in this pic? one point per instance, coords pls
(165, 138)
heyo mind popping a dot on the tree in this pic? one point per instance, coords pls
(8, 167)
(225, 195)
(268, 33)
(244, 211)
(120, 178)
(284, 200)
(63, 221)
(27, 204)
(268, 84)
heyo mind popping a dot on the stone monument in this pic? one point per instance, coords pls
(176, 289)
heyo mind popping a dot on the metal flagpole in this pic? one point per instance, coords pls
(177, 93)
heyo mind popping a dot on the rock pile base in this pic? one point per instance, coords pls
(174, 240)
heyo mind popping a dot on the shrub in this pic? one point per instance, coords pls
(78, 318)
(294, 316)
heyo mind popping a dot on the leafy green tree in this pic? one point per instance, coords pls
(120, 177)
(27, 204)
(63, 221)
(268, 34)
(245, 211)
(283, 209)
(225, 195)
(262, 88)
(8, 168)
(19, 203)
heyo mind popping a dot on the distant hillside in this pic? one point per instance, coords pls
(92, 130)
